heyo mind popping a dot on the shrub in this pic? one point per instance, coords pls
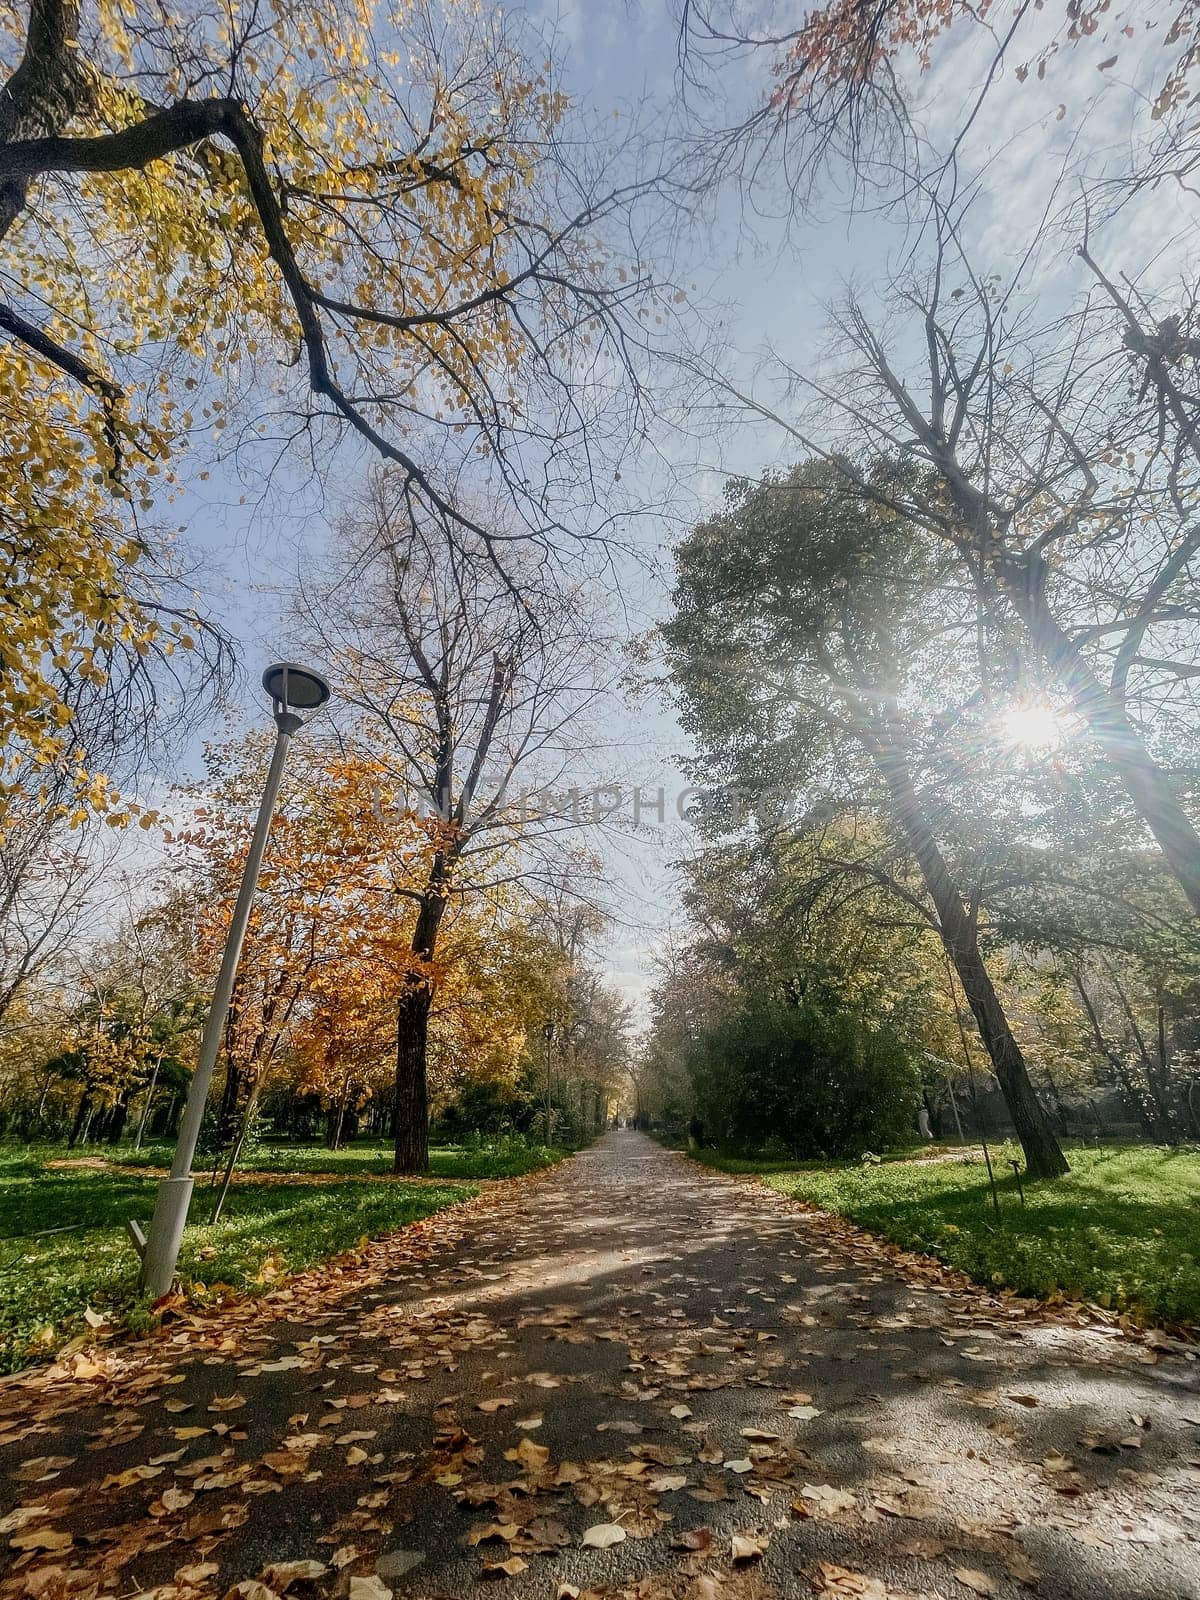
(821, 1083)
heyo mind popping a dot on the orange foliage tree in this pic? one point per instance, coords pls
(330, 944)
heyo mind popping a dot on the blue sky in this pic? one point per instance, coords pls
(768, 287)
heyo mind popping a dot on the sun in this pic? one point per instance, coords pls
(1033, 725)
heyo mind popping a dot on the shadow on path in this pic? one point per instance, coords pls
(633, 1343)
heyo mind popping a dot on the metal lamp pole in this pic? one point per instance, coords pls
(292, 689)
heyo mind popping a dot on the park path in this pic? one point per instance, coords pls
(730, 1397)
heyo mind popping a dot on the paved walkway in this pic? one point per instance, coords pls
(726, 1397)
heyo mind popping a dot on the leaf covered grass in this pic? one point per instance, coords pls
(1122, 1229)
(268, 1232)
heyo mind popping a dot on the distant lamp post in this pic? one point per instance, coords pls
(293, 690)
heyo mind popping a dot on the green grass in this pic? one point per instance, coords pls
(269, 1231)
(495, 1158)
(1122, 1229)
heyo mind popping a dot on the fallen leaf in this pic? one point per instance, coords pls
(48, 1539)
(824, 1497)
(977, 1582)
(280, 1574)
(745, 1547)
(371, 1587)
(529, 1454)
(603, 1535)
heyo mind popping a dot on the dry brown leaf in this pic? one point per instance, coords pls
(603, 1535)
(845, 1583)
(823, 1497)
(42, 1539)
(504, 1569)
(534, 1456)
(370, 1587)
(748, 1547)
(280, 1574)
(977, 1582)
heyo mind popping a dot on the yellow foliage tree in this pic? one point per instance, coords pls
(311, 219)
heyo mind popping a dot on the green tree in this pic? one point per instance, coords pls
(807, 627)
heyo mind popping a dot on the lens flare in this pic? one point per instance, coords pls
(1033, 725)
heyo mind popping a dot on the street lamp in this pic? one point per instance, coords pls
(293, 690)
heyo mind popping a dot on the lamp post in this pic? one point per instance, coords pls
(293, 690)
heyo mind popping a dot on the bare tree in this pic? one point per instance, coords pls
(48, 876)
(1025, 452)
(471, 689)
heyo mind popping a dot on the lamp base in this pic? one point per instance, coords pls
(165, 1236)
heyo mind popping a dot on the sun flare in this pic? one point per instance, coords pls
(1033, 725)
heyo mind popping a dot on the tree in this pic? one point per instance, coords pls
(845, 78)
(339, 846)
(1067, 505)
(305, 223)
(800, 626)
(470, 687)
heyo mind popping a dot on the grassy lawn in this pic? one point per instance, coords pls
(497, 1158)
(268, 1232)
(1123, 1229)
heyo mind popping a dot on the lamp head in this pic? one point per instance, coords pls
(294, 689)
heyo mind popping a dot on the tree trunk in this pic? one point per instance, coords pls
(1136, 1101)
(81, 1113)
(117, 1119)
(44, 92)
(137, 1143)
(231, 1164)
(412, 1092)
(231, 1093)
(1043, 1155)
(412, 1025)
(336, 1141)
